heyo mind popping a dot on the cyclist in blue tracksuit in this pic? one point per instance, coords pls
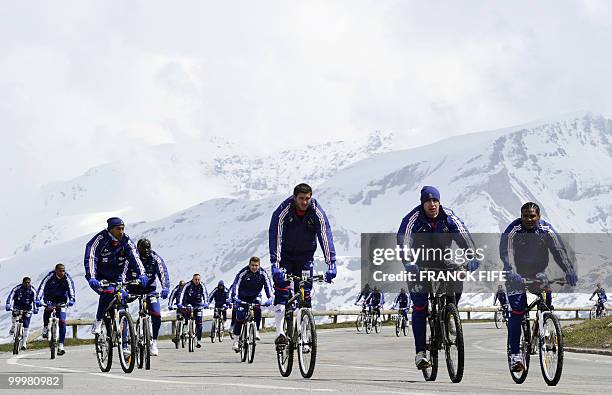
(363, 295)
(523, 249)
(108, 255)
(194, 293)
(22, 298)
(375, 301)
(294, 229)
(221, 297)
(402, 301)
(431, 226)
(155, 267)
(601, 298)
(503, 299)
(247, 287)
(56, 288)
(173, 300)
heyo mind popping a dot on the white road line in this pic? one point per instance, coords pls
(16, 361)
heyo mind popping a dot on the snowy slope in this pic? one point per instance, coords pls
(178, 176)
(484, 177)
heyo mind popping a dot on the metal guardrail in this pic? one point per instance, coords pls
(332, 314)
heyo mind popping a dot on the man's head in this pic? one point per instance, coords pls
(254, 263)
(598, 285)
(530, 215)
(181, 283)
(366, 287)
(196, 279)
(60, 270)
(302, 193)
(116, 227)
(221, 284)
(144, 248)
(499, 287)
(403, 291)
(430, 200)
(375, 288)
(26, 282)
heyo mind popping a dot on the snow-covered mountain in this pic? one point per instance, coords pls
(177, 176)
(485, 177)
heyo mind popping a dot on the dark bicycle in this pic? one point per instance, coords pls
(247, 340)
(54, 329)
(191, 312)
(180, 334)
(300, 329)
(544, 337)
(373, 320)
(117, 330)
(444, 331)
(217, 329)
(598, 311)
(501, 317)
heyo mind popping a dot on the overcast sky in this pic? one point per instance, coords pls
(82, 81)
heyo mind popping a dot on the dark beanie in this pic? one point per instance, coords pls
(429, 192)
(114, 221)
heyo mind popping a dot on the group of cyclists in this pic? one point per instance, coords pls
(295, 226)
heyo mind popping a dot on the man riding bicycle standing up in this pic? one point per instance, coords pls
(108, 255)
(194, 293)
(523, 249)
(246, 288)
(221, 297)
(294, 229)
(22, 298)
(601, 299)
(55, 288)
(154, 267)
(430, 226)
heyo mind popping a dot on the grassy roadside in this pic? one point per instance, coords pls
(589, 334)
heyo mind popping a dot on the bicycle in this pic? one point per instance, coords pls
(401, 325)
(545, 336)
(501, 317)
(191, 326)
(18, 333)
(598, 311)
(54, 327)
(361, 318)
(117, 323)
(217, 329)
(373, 321)
(300, 329)
(246, 340)
(179, 335)
(444, 330)
(144, 330)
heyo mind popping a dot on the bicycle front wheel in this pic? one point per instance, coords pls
(243, 342)
(359, 323)
(104, 346)
(17, 338)
(213, 330)
(146, 331)
(307, 344)
(141, 350)
(191, 336)
(378, 324)
(284, 353)
(398, 326)
(551, 349)
(405, 326)
(127, 346)
(498, 319)
(251, 343)
(220, 330)
(453, 334)
(53, 339)
(177, 335)
(431, 350)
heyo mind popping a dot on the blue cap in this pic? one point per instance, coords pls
(114, 221)
(221, 283)
(429, 192)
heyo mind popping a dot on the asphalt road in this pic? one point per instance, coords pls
(347, 362)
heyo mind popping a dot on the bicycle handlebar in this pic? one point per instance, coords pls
(315, 277)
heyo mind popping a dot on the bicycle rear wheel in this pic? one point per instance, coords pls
(251, 343)
(368, 324)
(551, 349)
(213, 330)
(104, 346)
(453, 344)
(53, 339)
(127, 344)
(17, 337)
(431, 350)
(359, 323)
(519, 377)
(284, 353)
(177, 335)
(307, 344)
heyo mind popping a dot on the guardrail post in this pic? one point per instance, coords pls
(74, 331)
(263, 322)
(576, 314)
(173, 327)
(468, 315)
